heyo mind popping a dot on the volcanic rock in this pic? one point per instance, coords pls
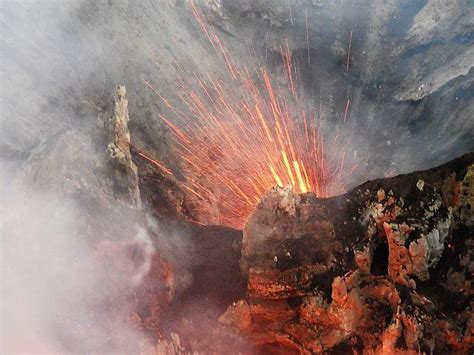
(125, 172)
(384, 268)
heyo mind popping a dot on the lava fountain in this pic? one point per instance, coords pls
(238, 137)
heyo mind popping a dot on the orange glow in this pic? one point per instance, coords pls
(240, 135)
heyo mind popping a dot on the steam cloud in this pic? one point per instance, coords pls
(52, 290)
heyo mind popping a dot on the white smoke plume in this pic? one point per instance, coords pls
(52, 291)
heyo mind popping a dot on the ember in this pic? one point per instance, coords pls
(236, 146)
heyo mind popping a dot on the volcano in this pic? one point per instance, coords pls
(248, 177)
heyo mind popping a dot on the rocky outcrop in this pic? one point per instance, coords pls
(370, 270)
(125, 174)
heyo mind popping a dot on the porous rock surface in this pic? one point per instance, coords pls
(384, 268)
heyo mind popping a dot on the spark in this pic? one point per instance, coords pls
(346, 110)
(354, 168)
(155, 162)
(241, 135)
(349, 52)
(291, 14)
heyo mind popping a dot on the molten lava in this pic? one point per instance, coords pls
(241, 135)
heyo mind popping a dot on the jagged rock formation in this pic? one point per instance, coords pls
(125, 172)
(372, 270)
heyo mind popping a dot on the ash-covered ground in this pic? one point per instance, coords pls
(408, 76)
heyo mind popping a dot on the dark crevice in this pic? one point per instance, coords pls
(380, 260)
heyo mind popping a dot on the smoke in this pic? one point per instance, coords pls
(52, 290)
(143, 240)
(67, 276)
(60, 61)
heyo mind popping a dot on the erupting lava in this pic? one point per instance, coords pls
(241, 136)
